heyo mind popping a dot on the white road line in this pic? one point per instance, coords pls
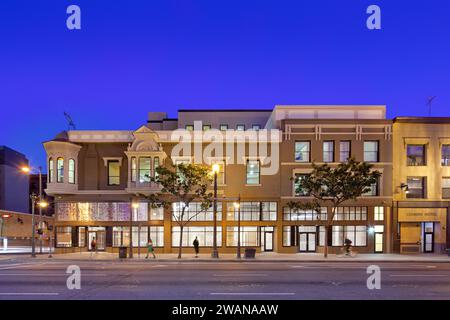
(29, 293)
(252, 293)
(240, 275)
(418, 275)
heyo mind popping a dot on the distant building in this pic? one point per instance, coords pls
(14, 185)
(34, 189)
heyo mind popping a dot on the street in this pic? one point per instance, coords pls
(23, 278)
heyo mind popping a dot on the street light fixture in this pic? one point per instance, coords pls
(237, 205)
(28, 170)
(215, 252)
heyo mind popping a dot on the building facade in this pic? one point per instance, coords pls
(421, 184)
(95, 176)
(14, 185)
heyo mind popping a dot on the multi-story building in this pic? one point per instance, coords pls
(14, 188)
(95, 176)
(421, 184)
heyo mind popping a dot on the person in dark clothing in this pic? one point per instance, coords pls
(196, 246)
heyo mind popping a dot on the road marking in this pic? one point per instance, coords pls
(19, 265)
(252, 293)
(29, 293)
(418, 275)
(240, 275)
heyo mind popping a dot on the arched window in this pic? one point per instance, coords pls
(133, 169)
(155, 165)
(51, 170)
(60, 170)
(71, 171)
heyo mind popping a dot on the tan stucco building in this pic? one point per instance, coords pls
(96, 175)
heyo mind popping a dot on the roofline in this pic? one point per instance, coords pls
(421, 119)
(225, 110)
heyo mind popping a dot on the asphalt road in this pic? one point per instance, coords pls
(37, 279)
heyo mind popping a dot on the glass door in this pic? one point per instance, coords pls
(378, 242)
(428, 237)
(307, 242)
(268, 241)
(99, 234)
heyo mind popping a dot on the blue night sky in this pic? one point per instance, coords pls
(132, 57)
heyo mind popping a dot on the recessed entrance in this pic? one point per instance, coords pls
(99, 234)
(307, 238)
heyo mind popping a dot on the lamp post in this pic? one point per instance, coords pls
(33, 229)
(134, 206)
(215, 252)
(237, 205)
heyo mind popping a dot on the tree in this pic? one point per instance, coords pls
(184, 183)
(334, 185)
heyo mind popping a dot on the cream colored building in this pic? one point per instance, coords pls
(421, 184)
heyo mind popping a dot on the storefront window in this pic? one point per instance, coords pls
(63, 237)
(121, 236)
(82, 237)
(140, 236)
(195, 212)
(253, 211)
(205, 236)
(304, 215)
(156, 233)
(351, 213)
(249, 236)
(356, 234)
(156, 213)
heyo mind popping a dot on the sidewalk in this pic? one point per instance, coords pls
(261, 257)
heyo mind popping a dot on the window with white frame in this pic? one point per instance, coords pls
(249, 236)
(195, 212)
(253, 211)
(371, 152)
(156, 234)
(303, 151)
(60, 170)
(253, 171)
(328, 151)
(304, 215)
(145, 168)
(350, 213)
(344, 150)
(133, 169)
(378, 213)
(356, 234)
(51, 174)
(205, 236)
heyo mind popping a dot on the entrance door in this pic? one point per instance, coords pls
(428, 237)
(268, 241)
(378, 242)
(307, 242)
(100, 237)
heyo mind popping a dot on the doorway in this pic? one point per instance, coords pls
(379, 239)
(99, 234)
(428, 237)
(268, 241)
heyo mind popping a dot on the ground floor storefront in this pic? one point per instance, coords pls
(267, 226)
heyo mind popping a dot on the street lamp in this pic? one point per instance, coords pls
(28, 170)
(134, 206)
(237, 205)
(215, 170)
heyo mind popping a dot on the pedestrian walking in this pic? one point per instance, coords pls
(93, 246)
(150, 249)
(196, 246)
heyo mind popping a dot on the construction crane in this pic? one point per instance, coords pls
(71, 124)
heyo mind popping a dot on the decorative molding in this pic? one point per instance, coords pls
(106, 159)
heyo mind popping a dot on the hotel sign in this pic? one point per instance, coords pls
(419, 215)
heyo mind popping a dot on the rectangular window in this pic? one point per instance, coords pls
(344, 151)
(249, 236)
(304, 215)
(253, 211)
(205, 236)
(51, 176)
(240, 127)
(145, 164)
(445, 156)
(328, 151)
(113, 172)
(223, 127)
(155, 165)
(156, 213)
(63, 237)
(206, 127)
(416, 188)
(253, 172)
(60, 170)
(415, 155)
(71, 171)
(299, 192)
(156, 234)
(121, 236)
(303, 151)
(356, 234)
(81, 237)
(141, 213)
(133, 169)
(195, 212)
(140, 236)
(189, 127)
(256, 127)
(446, 188)
(373, 192)
(351, 214)
(371, 151)
(378, 213)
